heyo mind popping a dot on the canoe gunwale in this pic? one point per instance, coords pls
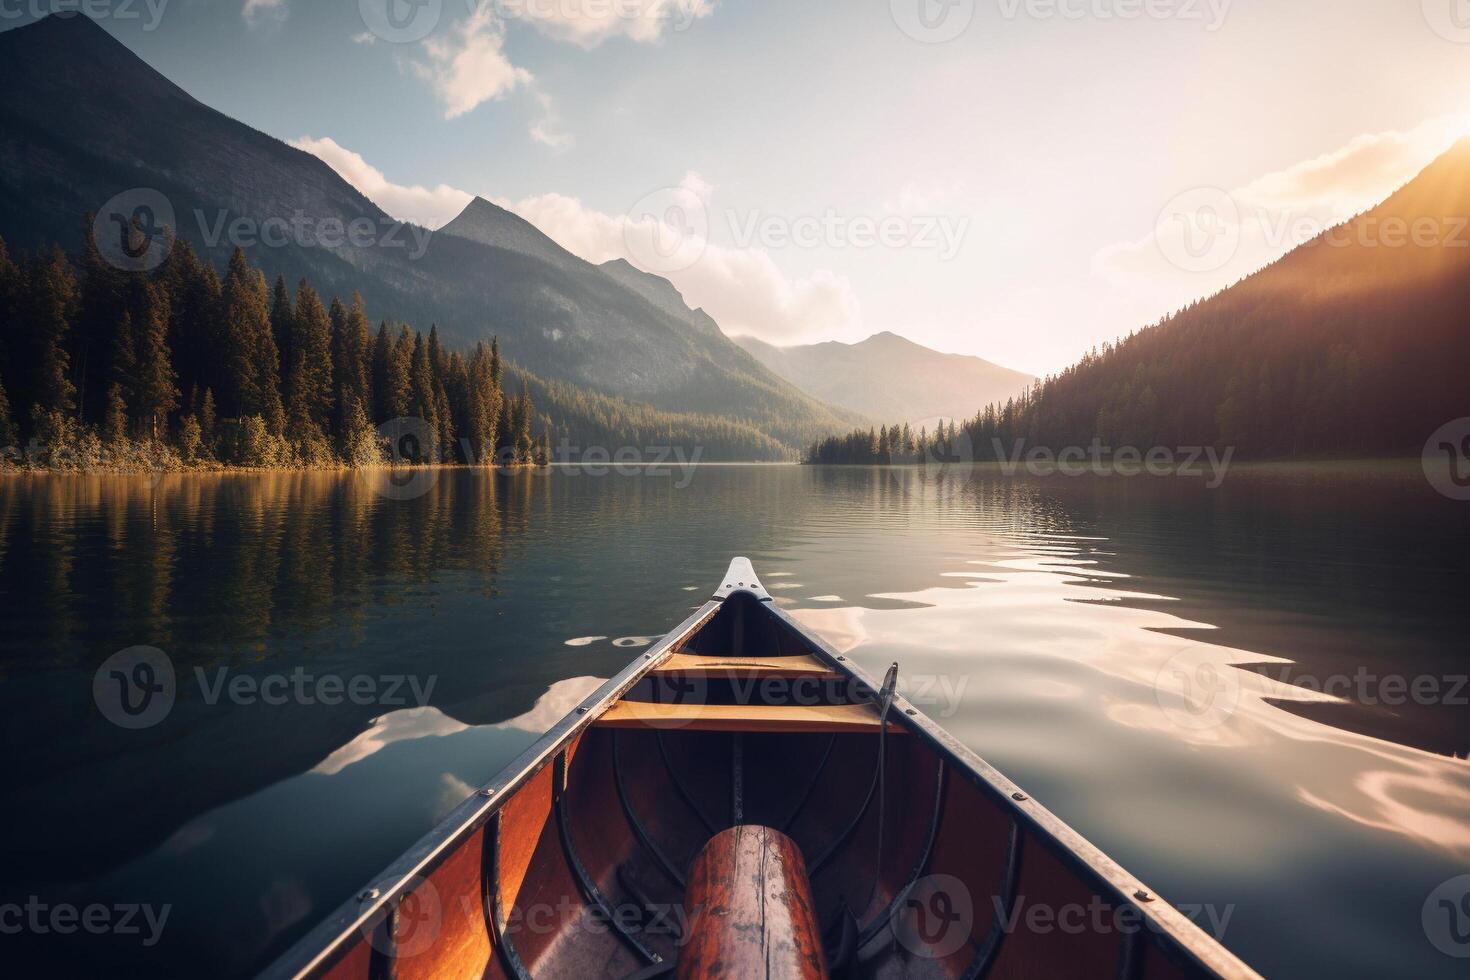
(333, 936)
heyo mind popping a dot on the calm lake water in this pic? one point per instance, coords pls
(1146, 656)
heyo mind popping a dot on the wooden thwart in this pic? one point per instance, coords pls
(701, 665)
(745, 717)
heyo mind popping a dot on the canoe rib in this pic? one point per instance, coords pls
(743, 717)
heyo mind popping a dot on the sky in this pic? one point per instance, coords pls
(1015, 179)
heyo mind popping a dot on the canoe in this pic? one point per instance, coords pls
(741, 801)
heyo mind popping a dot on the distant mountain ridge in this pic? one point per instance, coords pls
(890, 378)
(82, 119)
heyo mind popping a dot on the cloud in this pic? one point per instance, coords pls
(258, 12)
(590, 22)
(1207, 238)
(421, 205)
(547, 129)
(742, 288)
(469, 66)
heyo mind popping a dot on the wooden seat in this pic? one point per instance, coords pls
(750, 910)
(704, 665)
(744, 717)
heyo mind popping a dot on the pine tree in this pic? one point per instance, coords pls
(283, 322)
(100, 297)
(156, 391)
(352, 354)
(122, 376)
(484, 403)
(398, 397)
(9, 436)
(207, 419)
(115, 417)
(51, 306)
(252, 372)
(309, 377)
(524, 447)
(423, 400)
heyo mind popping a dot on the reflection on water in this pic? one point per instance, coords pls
(1201, 682)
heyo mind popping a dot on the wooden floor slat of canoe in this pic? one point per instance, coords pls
(695, 664)
(744, 717)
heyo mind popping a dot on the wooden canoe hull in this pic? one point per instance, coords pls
(575, 862)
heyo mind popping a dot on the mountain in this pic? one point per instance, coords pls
(82, 119)
(490, 224)
(661, 293)
(890, 378)
(1355, 343)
